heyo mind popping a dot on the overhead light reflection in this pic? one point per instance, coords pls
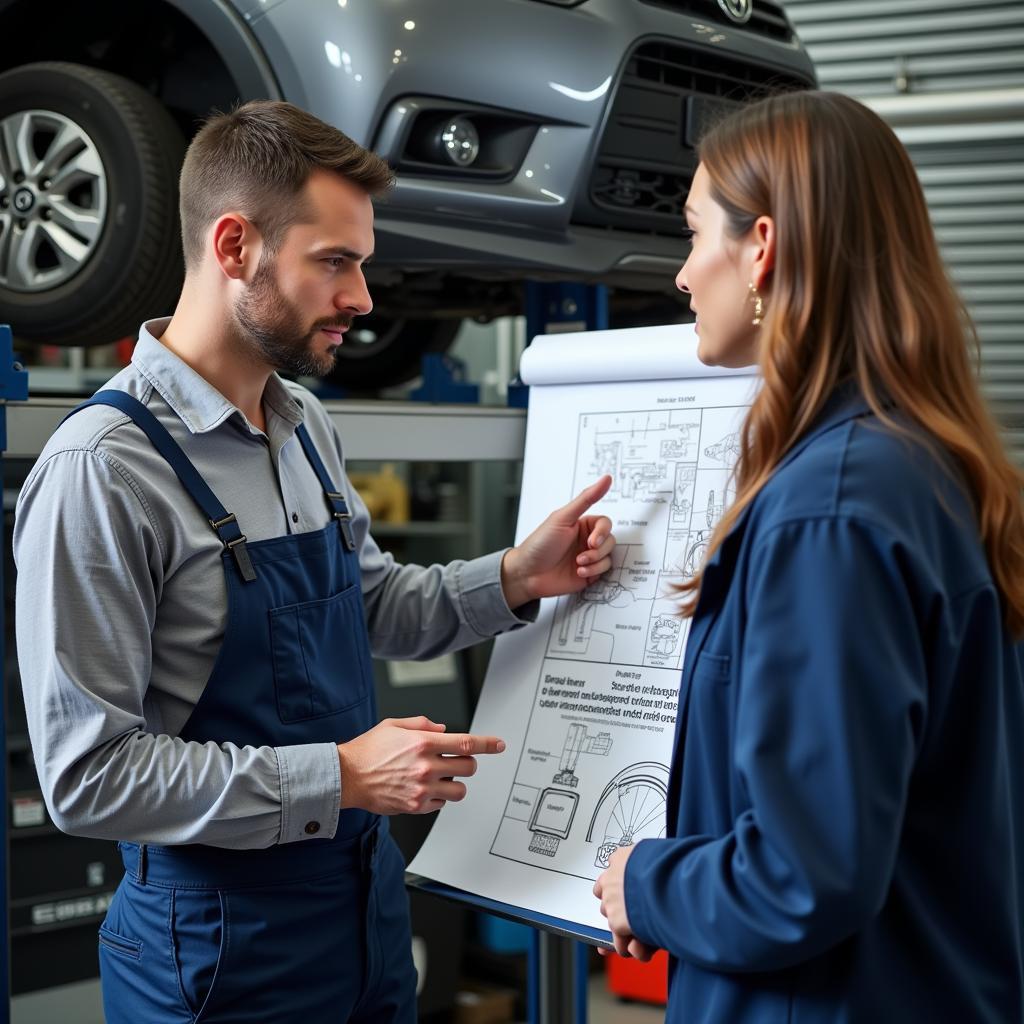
(333, 53)
(577, 94)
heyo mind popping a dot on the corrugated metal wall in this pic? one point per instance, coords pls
(949, 77)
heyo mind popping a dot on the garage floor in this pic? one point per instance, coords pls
(81, 1004)
(606, 1008)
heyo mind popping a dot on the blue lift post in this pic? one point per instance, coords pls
(443, 381)
(558, 972)
(13, 388)
(559, 307)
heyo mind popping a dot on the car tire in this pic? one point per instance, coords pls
(125, 264)
(382, 351)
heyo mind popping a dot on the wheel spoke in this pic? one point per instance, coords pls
(66, 143)
(82, 167)
(70, 250)
(84, 223)
(615, 816)
(6, 171)
(17, 144)
(21, 250)
(6, 236)
(658, 812)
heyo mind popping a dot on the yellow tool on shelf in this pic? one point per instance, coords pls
(385, 493)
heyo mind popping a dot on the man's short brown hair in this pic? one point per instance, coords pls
(257, 159)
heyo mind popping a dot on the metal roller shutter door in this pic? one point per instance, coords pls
(949, 76)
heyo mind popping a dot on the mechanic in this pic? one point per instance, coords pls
(198, 598)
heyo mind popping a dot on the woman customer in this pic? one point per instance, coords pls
(846, 812)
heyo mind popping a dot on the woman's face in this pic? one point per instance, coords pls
(717, 276)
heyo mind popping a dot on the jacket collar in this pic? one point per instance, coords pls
(846, 403)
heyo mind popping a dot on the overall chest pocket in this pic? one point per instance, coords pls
(321, 656)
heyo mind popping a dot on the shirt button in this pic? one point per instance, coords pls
(312, 827)
(295, 517)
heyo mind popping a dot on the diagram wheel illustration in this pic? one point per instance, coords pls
(631, 808)
(695, 557)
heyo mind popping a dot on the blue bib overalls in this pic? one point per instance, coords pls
(315, 930)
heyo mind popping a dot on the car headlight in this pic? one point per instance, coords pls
(454, 139)
(459, 141)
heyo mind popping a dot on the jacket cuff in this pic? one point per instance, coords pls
(310, 791)
(636, 892)
(483, 600)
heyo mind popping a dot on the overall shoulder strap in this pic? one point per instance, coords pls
(335, 499)
(222, 521)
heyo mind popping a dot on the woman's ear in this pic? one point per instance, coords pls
(762, 242)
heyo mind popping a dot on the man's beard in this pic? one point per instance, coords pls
(275, 329)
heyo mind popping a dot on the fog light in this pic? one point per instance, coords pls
(459, 141)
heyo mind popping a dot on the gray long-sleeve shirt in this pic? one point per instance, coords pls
(122, 604)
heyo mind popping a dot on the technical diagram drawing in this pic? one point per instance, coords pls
(697, 547)
(631, 808)
(606, 459)
(552, 820)
(727, 450)
(578, 742)
(579, 610)
(638, 477)
(682, 490)
(713, 511)
(664, 636)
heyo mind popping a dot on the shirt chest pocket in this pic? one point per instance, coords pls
(321, 656)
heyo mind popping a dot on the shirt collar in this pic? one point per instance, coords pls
(197, 403)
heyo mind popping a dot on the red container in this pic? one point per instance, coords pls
(631, 979)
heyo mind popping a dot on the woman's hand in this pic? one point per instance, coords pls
(610, 889)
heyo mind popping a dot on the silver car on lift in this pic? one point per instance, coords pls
(533, 139)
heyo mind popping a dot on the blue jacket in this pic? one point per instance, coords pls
(846, 810)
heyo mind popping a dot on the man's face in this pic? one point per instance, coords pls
(302, 299)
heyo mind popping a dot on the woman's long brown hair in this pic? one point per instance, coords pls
(858, 293)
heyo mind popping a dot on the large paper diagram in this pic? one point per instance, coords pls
(586, 698)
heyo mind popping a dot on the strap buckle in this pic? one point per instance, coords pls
(242, 560)
(343, 516)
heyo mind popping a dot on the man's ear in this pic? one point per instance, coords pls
(763, 242)
(236, 245)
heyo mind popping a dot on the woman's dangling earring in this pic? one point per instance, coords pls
(758, 305)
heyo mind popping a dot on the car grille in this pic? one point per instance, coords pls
(766, 19)
(646, 159)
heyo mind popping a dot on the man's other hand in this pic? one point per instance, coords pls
(409, 766)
